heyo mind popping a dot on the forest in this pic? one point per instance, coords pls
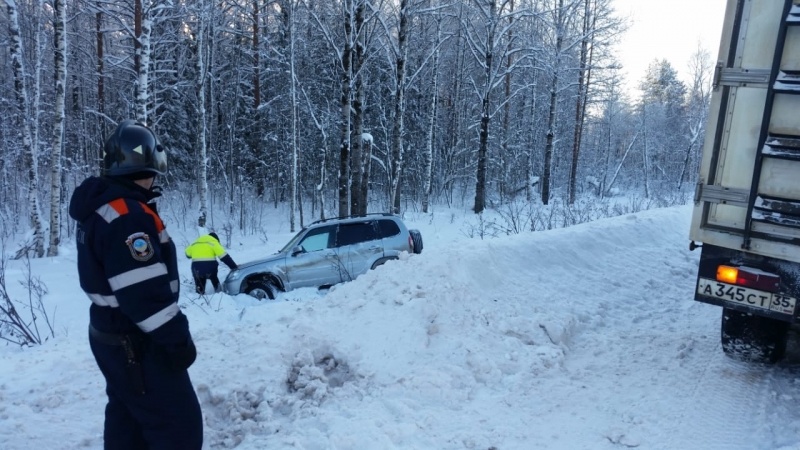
(324, 108)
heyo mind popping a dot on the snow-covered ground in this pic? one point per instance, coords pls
(578, 338)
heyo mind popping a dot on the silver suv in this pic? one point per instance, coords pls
(325, 253)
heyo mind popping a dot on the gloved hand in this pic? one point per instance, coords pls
(179, 357)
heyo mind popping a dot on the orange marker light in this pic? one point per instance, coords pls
(749, 277)
(727, 274)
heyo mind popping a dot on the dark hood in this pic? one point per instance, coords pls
(95, 192)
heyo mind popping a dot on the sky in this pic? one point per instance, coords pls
(584, 337)
(670, 30)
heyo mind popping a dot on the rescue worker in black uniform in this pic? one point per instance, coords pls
(128, 267)
(204, 252)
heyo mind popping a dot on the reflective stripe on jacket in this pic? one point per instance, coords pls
(127, 262)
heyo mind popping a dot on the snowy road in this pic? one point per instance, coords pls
(646, 370)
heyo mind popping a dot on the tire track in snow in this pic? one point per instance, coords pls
(647, 370)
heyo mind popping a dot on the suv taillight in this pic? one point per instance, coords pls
(410, 242)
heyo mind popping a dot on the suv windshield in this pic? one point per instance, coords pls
(312, 240)
(292, 242)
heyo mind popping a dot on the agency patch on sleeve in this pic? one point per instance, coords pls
(140, 246)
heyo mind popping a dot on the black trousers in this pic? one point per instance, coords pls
(166, 417)
(202, 271)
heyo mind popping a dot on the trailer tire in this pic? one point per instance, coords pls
(750, 338)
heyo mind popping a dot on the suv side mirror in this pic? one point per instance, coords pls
(297, 250)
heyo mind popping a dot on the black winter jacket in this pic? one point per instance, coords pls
(127, 262)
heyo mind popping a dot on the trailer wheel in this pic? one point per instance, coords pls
(750, 338)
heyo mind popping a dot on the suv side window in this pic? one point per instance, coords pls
(388, 228)
(318, 239)
(354, 233)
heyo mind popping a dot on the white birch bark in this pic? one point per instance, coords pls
(202, 34)
(357, 194)
(295, 150)
(645, 157)
(143, 52)
(36, 246)
(399, 107)
(60, 15)
(346, 104)
(428, 157)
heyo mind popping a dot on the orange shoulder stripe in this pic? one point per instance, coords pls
(119, 206)
(159, 224)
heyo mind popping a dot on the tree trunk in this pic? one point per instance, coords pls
(345, 104)
(357, 145)
(504, 158)
(427, 171)
(60, 38)
(483, 146)
(580, 102)
(202, 178)
(256, 59)
(399, 107)
(31, 160)
(551, 120)
(142, 29)
(366, 143)
(101, 96)
(295, 149)
(644, 153)
(530, 163)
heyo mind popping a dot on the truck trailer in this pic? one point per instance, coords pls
(746, 215)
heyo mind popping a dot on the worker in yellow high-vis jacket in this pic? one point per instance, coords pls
(204, 253)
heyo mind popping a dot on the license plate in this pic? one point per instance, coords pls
(746, 296)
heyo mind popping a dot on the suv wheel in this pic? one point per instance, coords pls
(416, 237)
(262, 290)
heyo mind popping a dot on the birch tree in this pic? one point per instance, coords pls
(31, 158)
(398, 125)
(201, 59)
(293, 94)
(60, 20)
(141, 59)
(101, 97)
(428, 156)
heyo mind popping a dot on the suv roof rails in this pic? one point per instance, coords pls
(350, 217)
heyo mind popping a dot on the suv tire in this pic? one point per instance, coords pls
(416, 237)
(262, 290)
(750, 338)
